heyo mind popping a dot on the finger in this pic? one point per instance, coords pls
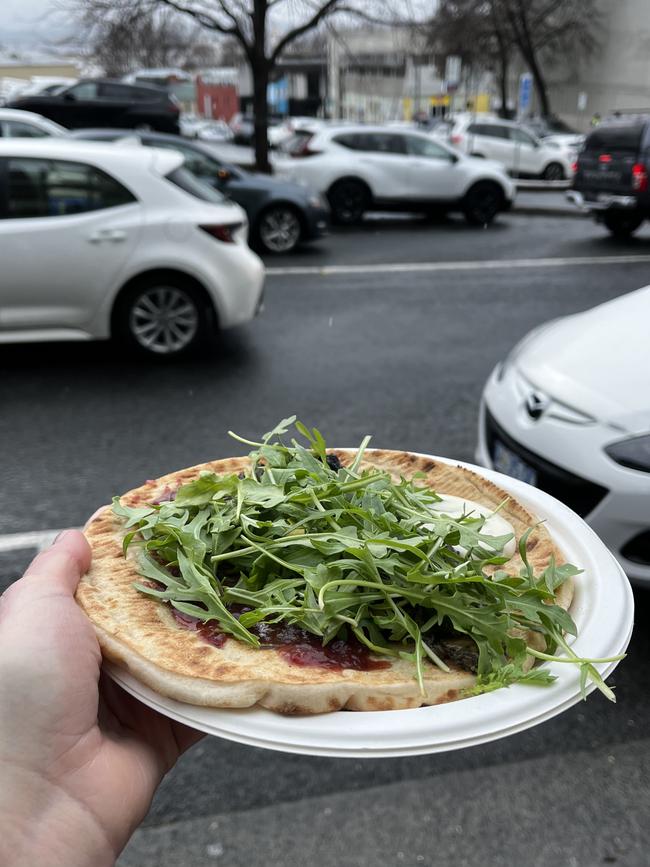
(64, 563)
(96, 514)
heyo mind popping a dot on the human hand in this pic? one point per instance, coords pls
(80, 759)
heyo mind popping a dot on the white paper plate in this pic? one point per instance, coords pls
(603, 609)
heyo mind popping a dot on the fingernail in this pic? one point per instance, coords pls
(62, 536)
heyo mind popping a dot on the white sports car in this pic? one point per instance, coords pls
(569, 411)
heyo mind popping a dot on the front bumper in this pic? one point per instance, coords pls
(567, 456)
(317, 222)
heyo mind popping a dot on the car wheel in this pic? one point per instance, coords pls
(279, 229)
(165, 317)
(348, 201)
(553, 172)
(482, 203)
(621, 225)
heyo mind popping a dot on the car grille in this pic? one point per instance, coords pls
(579, 494)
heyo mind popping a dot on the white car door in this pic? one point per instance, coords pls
(527, 153)
(492, 141)
(384, 162)
(432, 171)
(66, 232)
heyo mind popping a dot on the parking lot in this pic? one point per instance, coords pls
(389, 328)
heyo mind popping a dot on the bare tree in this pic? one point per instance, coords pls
(263, 28)
(541, 29)
(490, 31)
(477, 32)
(123, 39)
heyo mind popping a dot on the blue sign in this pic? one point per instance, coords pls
(525, 90)
(277, 96)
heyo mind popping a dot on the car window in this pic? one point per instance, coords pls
(57, 188)
(353, 141)
(85, 90)
(113, 91)
(423, 147)
(494, 130)
(617, 137)
(385, 143)
(375, 142)
(522, 137)
(184, 179)
(18, 129)
(196, 162)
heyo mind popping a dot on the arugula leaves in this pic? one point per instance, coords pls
(342, 552)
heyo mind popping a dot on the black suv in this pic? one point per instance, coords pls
(611, 178)
(101, 102)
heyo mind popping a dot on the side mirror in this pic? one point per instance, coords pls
(69, 97)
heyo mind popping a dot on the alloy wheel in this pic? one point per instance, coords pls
(280, 230)
(164, 320)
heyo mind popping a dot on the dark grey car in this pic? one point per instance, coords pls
(281, 214)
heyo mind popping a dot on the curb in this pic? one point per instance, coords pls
(525, 211)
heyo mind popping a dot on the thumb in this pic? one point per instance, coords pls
(64, 563)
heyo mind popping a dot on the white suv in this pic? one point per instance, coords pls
(362, 168)
(521, 152)
(99, 241)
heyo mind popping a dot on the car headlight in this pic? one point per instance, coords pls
(633, 453)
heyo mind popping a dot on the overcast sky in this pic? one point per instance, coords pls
(30, 23)
(37, 23)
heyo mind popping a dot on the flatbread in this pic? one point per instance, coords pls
(140, 634)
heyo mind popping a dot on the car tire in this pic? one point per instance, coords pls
(278, 229)
(553, 172)
(162, 317)
(482, 203)
(349, 200)
(621, 225)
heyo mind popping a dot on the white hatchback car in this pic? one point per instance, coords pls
(362, 168)
(518, 149)
(15, 123)
(99, 241)
(569, 411)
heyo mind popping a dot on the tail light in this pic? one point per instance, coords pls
(605, 158)
(639, 178)
(303, 150)
(574, 167)
(224, 232)
(456, 139)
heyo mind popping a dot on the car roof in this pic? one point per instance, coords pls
(155, 89)
(98, 153)
(20, 114)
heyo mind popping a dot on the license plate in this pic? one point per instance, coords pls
(506, 461)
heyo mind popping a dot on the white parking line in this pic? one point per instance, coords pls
(39, 539)
(477, 265)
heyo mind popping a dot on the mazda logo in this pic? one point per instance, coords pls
(536, 404)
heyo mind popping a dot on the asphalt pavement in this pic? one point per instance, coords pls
(390, 329)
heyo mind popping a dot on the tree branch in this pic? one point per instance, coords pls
(327, 7)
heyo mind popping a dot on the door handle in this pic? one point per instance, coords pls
(107, 235)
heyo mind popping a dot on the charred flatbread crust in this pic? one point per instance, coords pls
(140, 634)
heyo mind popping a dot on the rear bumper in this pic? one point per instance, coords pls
(605, 202)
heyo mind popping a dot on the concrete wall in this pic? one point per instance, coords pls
(616, 76)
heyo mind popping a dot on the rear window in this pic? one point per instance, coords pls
(617, 137)
(184, 179)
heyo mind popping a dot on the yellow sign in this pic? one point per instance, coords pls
(439, 100)
(407, 108)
